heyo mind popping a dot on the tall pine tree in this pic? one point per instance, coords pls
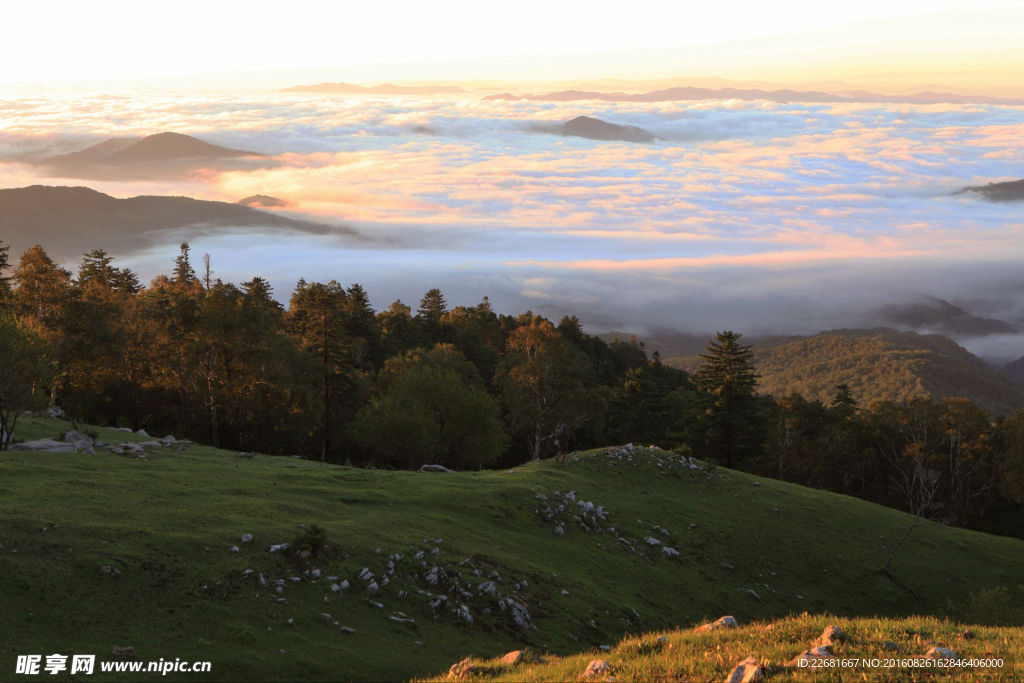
(730, 425)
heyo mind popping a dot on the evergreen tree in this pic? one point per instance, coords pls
(184, 274)
(844, 397)
(730, 426)
(97, 269)
(432, 309)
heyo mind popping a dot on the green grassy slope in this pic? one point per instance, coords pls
(894, 650)
(168, 523)
(878, 364)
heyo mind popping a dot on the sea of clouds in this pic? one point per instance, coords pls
(766, 217)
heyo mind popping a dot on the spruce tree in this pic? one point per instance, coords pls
(730, 426)
(184, 274)
(432, 309)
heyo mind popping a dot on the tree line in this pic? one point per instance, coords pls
(330, 378)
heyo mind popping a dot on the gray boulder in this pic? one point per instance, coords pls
(45, 446)
(80, 440)
(436, 468)
(55, 412)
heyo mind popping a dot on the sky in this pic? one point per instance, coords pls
(868, 41)
(767, 217)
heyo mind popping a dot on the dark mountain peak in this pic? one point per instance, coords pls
(76, 219)
(596, 129)
(161, 147)
(1009, 191)
(932, 314)
(262, 201)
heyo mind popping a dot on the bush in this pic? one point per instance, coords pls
(1000, 606)
(312, 540)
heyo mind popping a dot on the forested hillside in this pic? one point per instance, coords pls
(879, 364)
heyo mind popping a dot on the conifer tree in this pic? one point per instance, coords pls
(184, 274)
(432, 309)
(730, 425)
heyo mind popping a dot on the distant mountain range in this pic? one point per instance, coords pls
(386, 89)
(161, 147)
(940, 316)
(812, 96)
(1015, 372)
(1010, 191)
(69, 221)
(596, 129)
(878, 364)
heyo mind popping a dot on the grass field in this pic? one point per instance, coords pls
(876, 649)
(168, 524)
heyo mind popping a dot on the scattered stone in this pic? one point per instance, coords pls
(80, 440)
(753, 594)
(461, 670)
(279, 547)
(512, 658)
(891, 646)
(727, 566)
(941, 653)
(348, 630)
(722, 622)
(650, 540)
(127, 652)
(830, 636)
(436, 468)
(597, 667)
(812, 657)
(45, 446)
(669, 552)
(372, 588)
(55, 412)
(604, 648)
(246, 538)
(234, 548)
(402, 620)
(746, 671)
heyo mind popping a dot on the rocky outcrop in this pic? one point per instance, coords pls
(746, 671)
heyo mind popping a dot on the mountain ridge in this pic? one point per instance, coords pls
(77, 219)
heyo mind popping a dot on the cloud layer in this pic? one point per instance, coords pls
(770, 215)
